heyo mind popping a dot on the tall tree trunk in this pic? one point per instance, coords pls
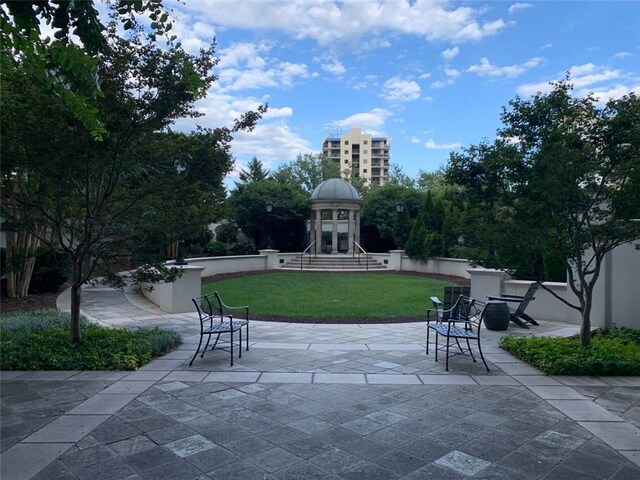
(21, 248)
(76, 295)
(585, 330)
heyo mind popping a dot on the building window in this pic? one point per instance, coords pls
(365, 152)
(346, 142)
(346, 152)
(364, 170)
(365, 161)
(365, 142)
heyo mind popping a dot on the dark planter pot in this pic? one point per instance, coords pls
(497, 315)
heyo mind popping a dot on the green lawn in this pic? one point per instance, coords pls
(375, 296)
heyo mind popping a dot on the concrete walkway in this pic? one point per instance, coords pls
(315, 401)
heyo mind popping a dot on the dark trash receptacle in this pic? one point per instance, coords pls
(497, 315)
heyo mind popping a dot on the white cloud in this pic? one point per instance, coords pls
(485, 68)
(603, 95)
(451, 72)
(432, 145)
(621, 55)
(546, 46)
(330, 63)
(440, 84)
(333, 22)
(424, 76)
(415, 140)
(270, 142)
(245, 66)
(397, 89)
(519, 6)
(585, 78)
(450, 53)
(372, 121)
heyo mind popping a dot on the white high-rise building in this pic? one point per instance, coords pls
(359, 155)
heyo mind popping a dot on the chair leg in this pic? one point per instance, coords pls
(247, 336)
(471, 351)
(213, 347)
(231, 346)
(458, 343)
(197, 350)
(526, 317)
(482, 356)
(427, 349)
(240, 342)
(437, 335)
(519, 322)
(446, 367)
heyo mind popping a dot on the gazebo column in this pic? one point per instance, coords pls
(350, 232)
(334, 231)
(318, 225)
(358, 227)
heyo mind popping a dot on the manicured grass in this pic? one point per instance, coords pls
(614, 353)
(41, 340)
(310, 295)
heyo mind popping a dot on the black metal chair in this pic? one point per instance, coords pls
(463, 322)
(518, 316)
(215, 321)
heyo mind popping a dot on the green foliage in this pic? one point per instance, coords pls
(330, 295)
(255, 172)
(307, 172)
(617, 353)
(217, 249)
(286, 224)
(51, 270)
(40, 340)
(227, 232)
(414, 247)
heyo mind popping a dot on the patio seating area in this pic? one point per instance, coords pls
(315, 401)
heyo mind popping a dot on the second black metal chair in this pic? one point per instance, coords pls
(215, 321)
(463, 322)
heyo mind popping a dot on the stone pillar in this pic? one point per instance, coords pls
(358, 227)
(485, 282)
(312, 227)
(318, 247)
(176, 297)
(334, 231)
(350, 232)
(271, 260)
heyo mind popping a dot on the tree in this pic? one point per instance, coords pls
(307, 171)
(82, 190)
(379, 218)
(581, 166)
(255, 172)
(567, 182)
(285, 226)
(55, 62)
(398, 178)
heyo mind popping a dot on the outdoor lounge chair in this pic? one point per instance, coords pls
(518, 316)
(215, 321)
(463, 323)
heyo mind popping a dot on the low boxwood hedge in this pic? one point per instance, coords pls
(41, 340)
(616, 352)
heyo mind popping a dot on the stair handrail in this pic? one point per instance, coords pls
(308, 249)
(358, 250)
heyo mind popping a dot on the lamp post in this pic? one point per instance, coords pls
(180, 257)
(399, 209)
(268, 206)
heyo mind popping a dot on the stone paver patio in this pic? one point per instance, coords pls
(315, 401)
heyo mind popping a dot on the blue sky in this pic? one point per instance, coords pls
(430, 75)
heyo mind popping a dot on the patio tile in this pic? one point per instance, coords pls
(183, 376)
(232, 377)
(622, 381)
(147, 375)
(188, 446)
(556, 393)
(103, 404)
(399, 347)
(621, 436)
(632, 455)
(447, 380)
(536, 380)
(351, 378)
(23, 461)
(48, 375)
(274, 459)
(126, 386)
(286, 377)
(281, 346)
(388, 379)
(67, 428)
(581, 381)
(584, 410)
(494, 380)
(519, 369)
(171, 386)
(462, 463)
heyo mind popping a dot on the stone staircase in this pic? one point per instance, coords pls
(335, 262)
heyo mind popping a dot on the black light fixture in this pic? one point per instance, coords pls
(399, 209)
(180, 257)
(268, 206)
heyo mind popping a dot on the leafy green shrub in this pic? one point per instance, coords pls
(41, 340)
(51, 270)
(217, 249)
(616, 353)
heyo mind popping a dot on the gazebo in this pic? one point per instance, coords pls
(335, 195)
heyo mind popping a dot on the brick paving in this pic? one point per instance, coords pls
(315, 401)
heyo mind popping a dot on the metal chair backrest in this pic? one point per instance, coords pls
(463, 307)
(450, 299)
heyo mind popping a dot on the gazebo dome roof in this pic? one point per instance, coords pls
(335, 189)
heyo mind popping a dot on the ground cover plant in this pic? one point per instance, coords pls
(39, 340)
(616, 352)
(321, 297)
